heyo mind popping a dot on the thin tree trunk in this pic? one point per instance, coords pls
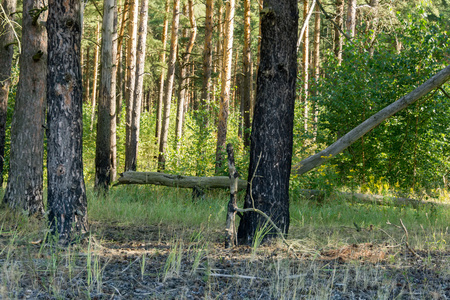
(337, 34)
(220, 41)
(95, 76)
(67, 203)
(6, 56)
(25, 180)
(225, 84)
(105, 165)
(305, 66)
(316, 67)
(273, 121)
(138, 91)
(131, 81)
(234, 92)
(351, 18)
(184, 73)
(248, 76)
(217, 65)
(352, 136)
(162, 59)
(207, 61)
(169, 85)
(87, 76)
(120, 66)
(258, 56)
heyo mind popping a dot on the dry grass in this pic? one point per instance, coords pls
(122, 259)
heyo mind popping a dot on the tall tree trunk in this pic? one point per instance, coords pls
(131, 80)
(351, 18)
(120, 66)
(95, 75)
(87, 76)
(6, 56)
(217, 65)
(105, 164)
(248, 76)
(305, 66)
(219, 46)
(227, 58)
(25, 180)
(184, 73)
(169, 85)
(234, 91)
(316, 67)
(66, 190)
(258, 55)
(273, 121)
(337, 34)
(162, 59)
(207, 61)
(138, 90)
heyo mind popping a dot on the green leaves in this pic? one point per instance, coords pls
(411, 147)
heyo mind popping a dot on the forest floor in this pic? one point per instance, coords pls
(157, 262)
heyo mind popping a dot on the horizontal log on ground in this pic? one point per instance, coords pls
(172, 180)
(223, 182)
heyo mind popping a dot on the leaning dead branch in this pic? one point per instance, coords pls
(352, 136)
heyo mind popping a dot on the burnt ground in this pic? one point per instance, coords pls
(121, 262)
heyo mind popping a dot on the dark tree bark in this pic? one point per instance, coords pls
(6, 55)
(25, 180)
(272, 130)
(67, 203)
(106, 125)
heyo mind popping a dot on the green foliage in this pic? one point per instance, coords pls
(411, 148)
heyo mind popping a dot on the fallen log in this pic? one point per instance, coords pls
(223, 182)
(172, 180)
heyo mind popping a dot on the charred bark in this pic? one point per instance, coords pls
(66, 190)
(272, 130)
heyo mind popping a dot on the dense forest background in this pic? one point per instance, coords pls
(101, 90)
(345, 76)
